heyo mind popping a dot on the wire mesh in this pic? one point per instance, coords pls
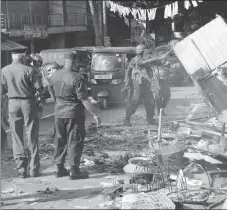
(147, 177)
(167, 169)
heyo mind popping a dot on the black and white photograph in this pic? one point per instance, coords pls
(109, 104)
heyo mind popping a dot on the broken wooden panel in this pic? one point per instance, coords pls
(202, 52)
(189, 56)
(211, 41)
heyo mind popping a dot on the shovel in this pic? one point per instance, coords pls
(159, 135)
(160, 127)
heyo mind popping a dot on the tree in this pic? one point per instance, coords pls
(94, 14)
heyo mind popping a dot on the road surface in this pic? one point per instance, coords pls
(116, 111)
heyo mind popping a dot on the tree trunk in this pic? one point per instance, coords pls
(95, 23)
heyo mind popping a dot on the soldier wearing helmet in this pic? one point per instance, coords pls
(138, 80)
(27, 60)
(37, 60)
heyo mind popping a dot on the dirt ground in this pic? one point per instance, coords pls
(107, 150)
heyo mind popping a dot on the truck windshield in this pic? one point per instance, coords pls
(107, 61)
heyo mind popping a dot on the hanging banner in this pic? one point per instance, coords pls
(170, 10)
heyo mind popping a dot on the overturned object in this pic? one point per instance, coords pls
(202, 53)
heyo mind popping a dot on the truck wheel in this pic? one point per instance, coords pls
(103, 103)
(5, 113)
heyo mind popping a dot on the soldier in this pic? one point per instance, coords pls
(21, 84)
(141, 74)
(70, 92)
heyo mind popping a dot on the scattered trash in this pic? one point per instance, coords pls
(112, 192)
(215, 148)
(199, 156)
(106, 184)
(153, 200)
(123, 181)
(106, 204)
(48, 190)
(184, 130)
(203, 144)
(33, 204)
(86, 162)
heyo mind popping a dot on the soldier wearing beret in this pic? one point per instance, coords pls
(21, 83)
(70, 91)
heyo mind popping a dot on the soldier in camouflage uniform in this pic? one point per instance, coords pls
(138, 81)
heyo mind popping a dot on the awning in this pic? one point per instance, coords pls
(10, 45)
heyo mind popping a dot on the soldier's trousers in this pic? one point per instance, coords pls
(24, 113)
(69, 138)
(164, 94)
(143, 92)
(3, 139)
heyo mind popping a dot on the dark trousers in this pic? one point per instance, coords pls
(3, 139)
(164, 94)
(146, 95)
(24, 113)
(69, 138)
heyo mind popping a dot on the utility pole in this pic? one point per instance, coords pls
(95, 22)
(7, 17)
(104, 18)
(31, 23)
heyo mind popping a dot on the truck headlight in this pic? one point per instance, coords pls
(93, 81)
(116, 81)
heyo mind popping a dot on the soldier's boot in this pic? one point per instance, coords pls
(22, 171)
(61, 171)
(75, 174)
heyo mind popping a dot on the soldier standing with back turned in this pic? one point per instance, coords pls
(70, 91)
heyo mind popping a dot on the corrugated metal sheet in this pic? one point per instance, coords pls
(10, 45)
(202, 52)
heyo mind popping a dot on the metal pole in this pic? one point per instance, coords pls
(31, 23)
(7, 16)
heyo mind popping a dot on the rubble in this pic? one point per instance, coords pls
(109, 149)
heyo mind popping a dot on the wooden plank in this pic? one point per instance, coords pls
(203, 47)
(184, 52)
(209, 37)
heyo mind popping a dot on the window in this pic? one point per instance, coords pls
(107, 62)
